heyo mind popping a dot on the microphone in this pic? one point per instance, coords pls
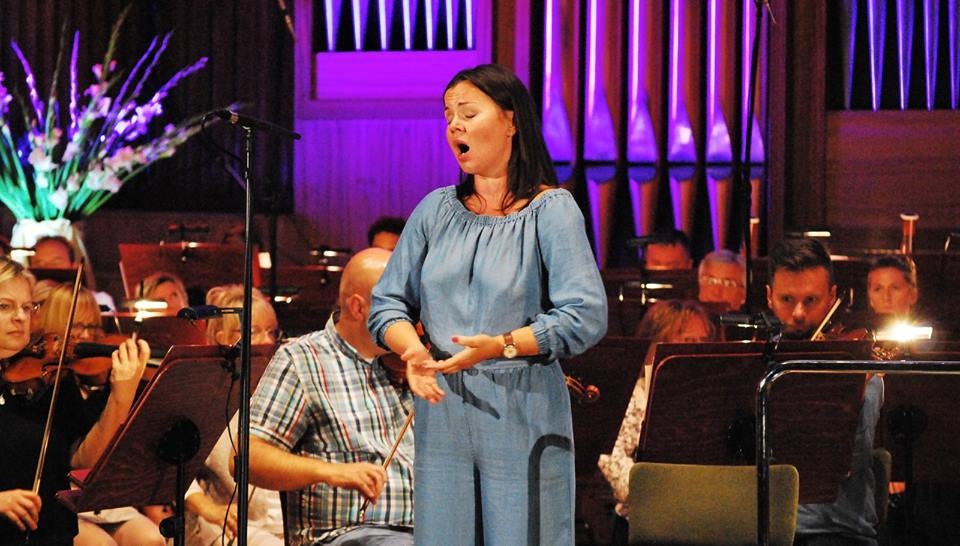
(198, 312)
(236, 118)
(762, 320)
(738, 319)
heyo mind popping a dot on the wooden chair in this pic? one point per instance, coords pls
(701, 504)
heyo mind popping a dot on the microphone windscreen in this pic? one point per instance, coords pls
(199, 312)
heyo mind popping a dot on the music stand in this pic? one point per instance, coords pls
(701, 410)
(161, 331)
(918, 420)
(56, 274)
(305, 292)
(199, 265)
(613, 366)
(631, 290)
(171, 429)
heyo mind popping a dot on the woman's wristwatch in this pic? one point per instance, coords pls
(510, 349)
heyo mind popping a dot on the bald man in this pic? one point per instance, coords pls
(323, 420)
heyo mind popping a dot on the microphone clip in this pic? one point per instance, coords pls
(198, 312)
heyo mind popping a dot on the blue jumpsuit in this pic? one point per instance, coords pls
(494, 460)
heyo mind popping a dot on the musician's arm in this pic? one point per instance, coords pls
(274, 468)
(129, 360)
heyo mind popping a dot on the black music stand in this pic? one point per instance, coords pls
(199, 265)
(161, 331)
(613, 366)
(305, 292)
(168, 435)
(701, 410)
(56, 274)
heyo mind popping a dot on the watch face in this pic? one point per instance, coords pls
(509, 351)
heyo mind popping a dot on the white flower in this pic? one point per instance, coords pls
(73, 182)
(41, 162)
(59, 198)
(73, 148)
(112, 184)
(95, 178)
(122, 159)
(42, 180)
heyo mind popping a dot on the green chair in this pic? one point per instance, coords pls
(717, 505)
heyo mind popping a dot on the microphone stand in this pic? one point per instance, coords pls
(248, 125)
(743, 180)
(243, 462)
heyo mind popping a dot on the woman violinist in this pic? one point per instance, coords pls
(124, 526)
(74, 442)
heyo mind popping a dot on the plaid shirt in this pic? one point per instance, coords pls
(319, 398)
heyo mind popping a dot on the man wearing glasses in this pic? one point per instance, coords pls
(722, 277)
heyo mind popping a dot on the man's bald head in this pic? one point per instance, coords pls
(362, 272)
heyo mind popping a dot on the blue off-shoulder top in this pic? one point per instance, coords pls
(466, 274)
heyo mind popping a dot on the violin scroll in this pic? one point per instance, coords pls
(582, 393)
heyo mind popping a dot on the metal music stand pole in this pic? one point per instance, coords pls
(746, 196)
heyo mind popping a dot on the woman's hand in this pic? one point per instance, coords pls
(21, 507)
(421, 377)
(129, 361)
(476, 349)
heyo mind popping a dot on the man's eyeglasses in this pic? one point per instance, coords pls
(10, 307)
(717, 281)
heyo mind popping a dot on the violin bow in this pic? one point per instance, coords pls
(48, 427)
(389, 459)
(818, 333)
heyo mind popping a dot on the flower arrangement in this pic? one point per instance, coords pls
(67, 164)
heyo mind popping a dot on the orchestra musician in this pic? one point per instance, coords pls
(166, 287)
(892, 286)
(323, 420)
(124, 526)
(667, 321)
(211, 501)
(75, 442)
(667, 249)
(800, 293)
(722, 281)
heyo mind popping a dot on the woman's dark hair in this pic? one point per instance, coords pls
(530, 164)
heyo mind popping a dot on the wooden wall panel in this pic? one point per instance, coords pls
(879, 164)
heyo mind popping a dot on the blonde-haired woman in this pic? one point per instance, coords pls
(75, 443)
(120, 526)
(164, 286)
(667, 321)
(211, 501)
(225, 329)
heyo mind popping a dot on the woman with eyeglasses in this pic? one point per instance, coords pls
(124, 526)
(211, 501)
(78, 436)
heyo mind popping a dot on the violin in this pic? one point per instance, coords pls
(580, 392)
(29, 372)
